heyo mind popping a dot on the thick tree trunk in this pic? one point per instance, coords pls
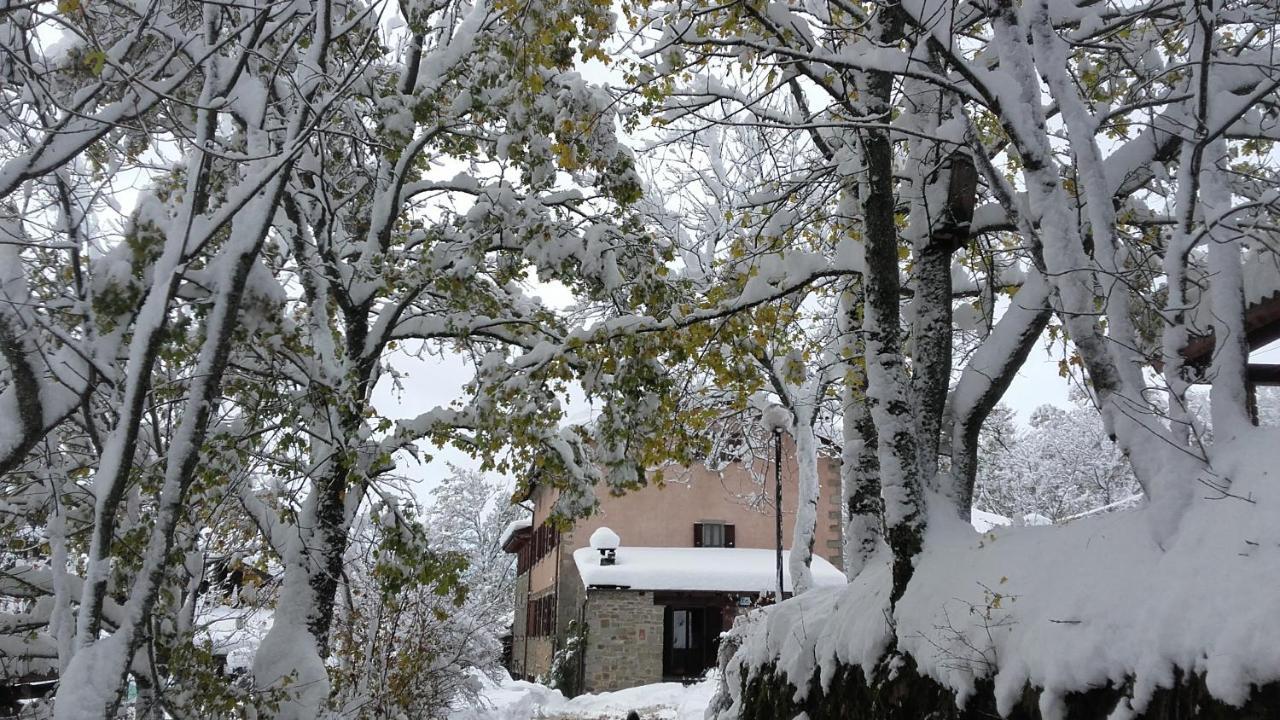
(887, 384)
(859, 467)
(1229, 396)
(931, 348)
(288, 660)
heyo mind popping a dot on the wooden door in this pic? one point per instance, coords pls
(689, 640)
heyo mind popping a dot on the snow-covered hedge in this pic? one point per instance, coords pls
(1051, 613)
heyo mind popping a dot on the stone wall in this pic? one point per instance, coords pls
(624, 640)
(901, 693)
(834, 545)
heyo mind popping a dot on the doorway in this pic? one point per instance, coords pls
(690, 639)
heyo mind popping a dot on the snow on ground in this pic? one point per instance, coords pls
(984, 521)
(518, 700)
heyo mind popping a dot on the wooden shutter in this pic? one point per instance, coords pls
(729, 540)
(697, 534)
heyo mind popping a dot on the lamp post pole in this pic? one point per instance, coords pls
(777, 502)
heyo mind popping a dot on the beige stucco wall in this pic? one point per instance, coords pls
(663, 516)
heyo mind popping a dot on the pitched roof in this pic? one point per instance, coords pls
(513, 528)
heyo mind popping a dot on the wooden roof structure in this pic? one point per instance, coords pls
(1262, 327)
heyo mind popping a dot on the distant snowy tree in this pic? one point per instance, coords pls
(414, 627)
(1061, 466)
(467, 515)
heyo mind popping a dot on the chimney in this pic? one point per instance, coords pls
(606, 542)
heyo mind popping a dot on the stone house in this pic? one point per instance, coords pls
(693, 553)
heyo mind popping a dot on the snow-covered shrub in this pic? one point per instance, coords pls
(566, 664)
(406, 641)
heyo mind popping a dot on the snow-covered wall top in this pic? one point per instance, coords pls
(984, 521)
(711, 569)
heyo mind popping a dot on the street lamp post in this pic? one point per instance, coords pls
(777, 501)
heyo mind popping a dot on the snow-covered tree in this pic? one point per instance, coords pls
(405, 642)
(217, 223)
(467, 515)
(890, 110)
(1000, 170)
(1062, 466)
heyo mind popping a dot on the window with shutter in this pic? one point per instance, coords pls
(713, 535)
(729, 537)
(697, 534)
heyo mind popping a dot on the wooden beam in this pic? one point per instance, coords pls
(1264, 374)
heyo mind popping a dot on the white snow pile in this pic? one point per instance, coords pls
(513, 527)
(776, 418)
(604, 539)
(1062, 608)
(712, 569)
(984, 521)
(519, 700)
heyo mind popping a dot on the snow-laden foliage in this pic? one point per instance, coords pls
(218, 222)
(984, 172)
(406, 641)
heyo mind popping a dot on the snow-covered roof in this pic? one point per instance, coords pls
(234, 633)
(710, 569)
(512, 528)
(984, 521)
